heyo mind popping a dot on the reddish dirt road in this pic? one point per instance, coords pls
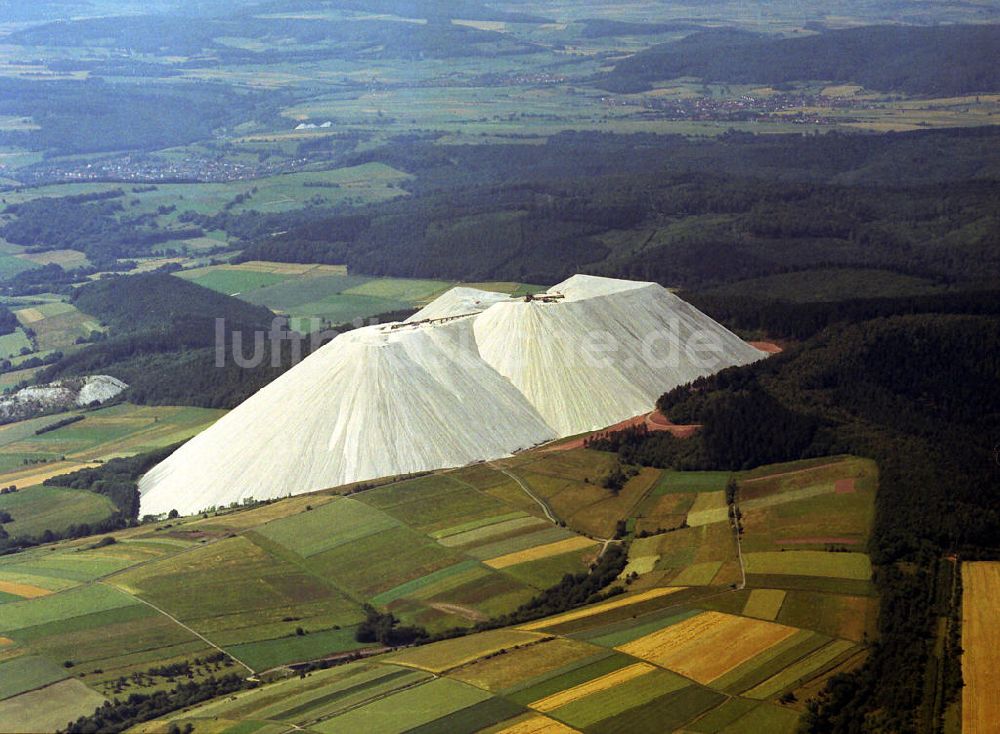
(654, 421)
(769, 347)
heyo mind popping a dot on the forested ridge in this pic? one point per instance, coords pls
(941, 60)
(920, 394)
(687, 213)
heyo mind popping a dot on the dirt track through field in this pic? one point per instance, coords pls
(527, 490)
(184, 626)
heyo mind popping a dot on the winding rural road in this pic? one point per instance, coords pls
(527, 490)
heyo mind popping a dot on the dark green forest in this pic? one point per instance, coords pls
(920, 394)
(696, 212)
(937, 60)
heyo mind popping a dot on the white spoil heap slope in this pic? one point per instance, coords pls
(373, 402)
(605, 351)
(502, 375)
(458, 301)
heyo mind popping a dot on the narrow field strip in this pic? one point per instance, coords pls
(541, 551)
(804, 668)
(599, 609)
(611, 680)
(26, 591)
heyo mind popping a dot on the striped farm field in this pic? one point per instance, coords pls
(771, 662)
(632, 693)
(622, 601)
(981, 646)
(764, 603)
(448, 654)
(406, 709)
(518, 667)
(480, 522)
(611, 680)
(707, 646)
(708, 507)
(698, 574)
(493, 530)
(518, 541)
(855, 566)
(805, 668)
(542, 551)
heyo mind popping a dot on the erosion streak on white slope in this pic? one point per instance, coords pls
(380, 401)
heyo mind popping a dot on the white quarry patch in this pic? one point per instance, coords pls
(473, 375)
(99, 388)
(63, 394)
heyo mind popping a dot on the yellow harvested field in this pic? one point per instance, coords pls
(5, 641)
(29, 315)
(709, 645)
(980, 646)
(541, 551)
(537, 724)
(764, 603)
(26, 591)
(31, 477)
(622, 601)
(611, 680)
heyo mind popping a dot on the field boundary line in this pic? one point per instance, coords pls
(179, 623)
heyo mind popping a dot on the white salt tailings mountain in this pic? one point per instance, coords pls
(373, 402)
(496, 375)
(605, 351)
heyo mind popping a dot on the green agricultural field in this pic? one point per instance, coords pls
(48, 708)
(672, 482)
(67, 605)
(324, 528)
(810, 563)
(12, 344)
(231, 282)
(435, 503)
(407, 709)
(27, 672)
(37, 509)
(268, 654)
(612, 702)
(801, 670)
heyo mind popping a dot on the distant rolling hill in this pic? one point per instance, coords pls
(941, 60)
